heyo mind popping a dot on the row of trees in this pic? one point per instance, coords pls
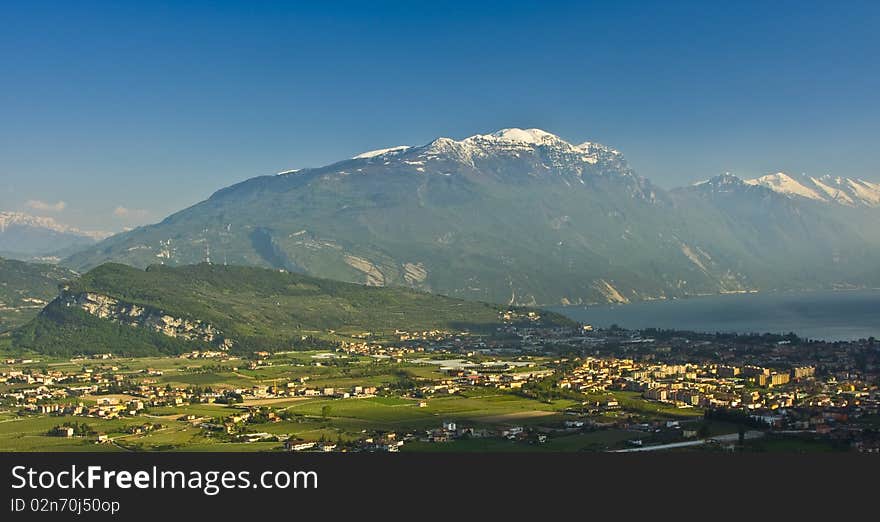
(80, 429)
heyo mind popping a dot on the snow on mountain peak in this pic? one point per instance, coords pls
(549, 149)
(867, 192)
(380, 152)
(827, 188)
(514, 138)
(593, 147)
(725, 182)
(725, 179)
(501, 141)
(530, 136)
(826, 184)
(9, 219)
(786, 184)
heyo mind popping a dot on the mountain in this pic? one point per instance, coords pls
(124, 310)
(844, 191)
(517, 216)
(25, 236)
(25, 288)
(774, 240)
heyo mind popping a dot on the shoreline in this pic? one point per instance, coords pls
(830, 315)
(690, 297)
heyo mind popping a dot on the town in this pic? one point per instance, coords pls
(526, 388)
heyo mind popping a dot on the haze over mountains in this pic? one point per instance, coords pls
(25, 288)
(26, 236)
(524, 217)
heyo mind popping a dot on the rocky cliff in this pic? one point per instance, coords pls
(106, 307)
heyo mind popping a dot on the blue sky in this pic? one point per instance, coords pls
(128, 111)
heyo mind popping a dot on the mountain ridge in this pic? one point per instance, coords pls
(515, 216)
(828, 189)
(167, 310)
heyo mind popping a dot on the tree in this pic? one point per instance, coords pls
(325, 410)
(703, 431)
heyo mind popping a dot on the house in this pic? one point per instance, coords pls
(255, 437)
(512, 432)
(438, 436)
(298, 445)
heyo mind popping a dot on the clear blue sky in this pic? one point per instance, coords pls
(151, 106)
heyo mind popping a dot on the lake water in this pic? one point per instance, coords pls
(845, 315)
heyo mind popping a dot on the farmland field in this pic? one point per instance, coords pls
(398, 406)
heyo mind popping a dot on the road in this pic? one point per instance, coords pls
(730, 437)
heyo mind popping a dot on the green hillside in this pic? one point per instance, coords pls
(247, 308)
(25, 288)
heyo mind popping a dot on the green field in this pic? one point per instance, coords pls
(343, 419)
(325, 418)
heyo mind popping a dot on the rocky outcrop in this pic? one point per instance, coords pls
(414, 273)
(106, 307)
(372, 275)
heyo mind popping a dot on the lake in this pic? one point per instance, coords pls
(844, 315)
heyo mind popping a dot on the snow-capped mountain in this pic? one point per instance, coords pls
(829, 189)
(517, 216)
(11, 219)
(545, 150)
(25, 235)
(722, 183)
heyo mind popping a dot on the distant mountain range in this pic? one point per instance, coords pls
(26, 236)
(828, 189)
(524, 217)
